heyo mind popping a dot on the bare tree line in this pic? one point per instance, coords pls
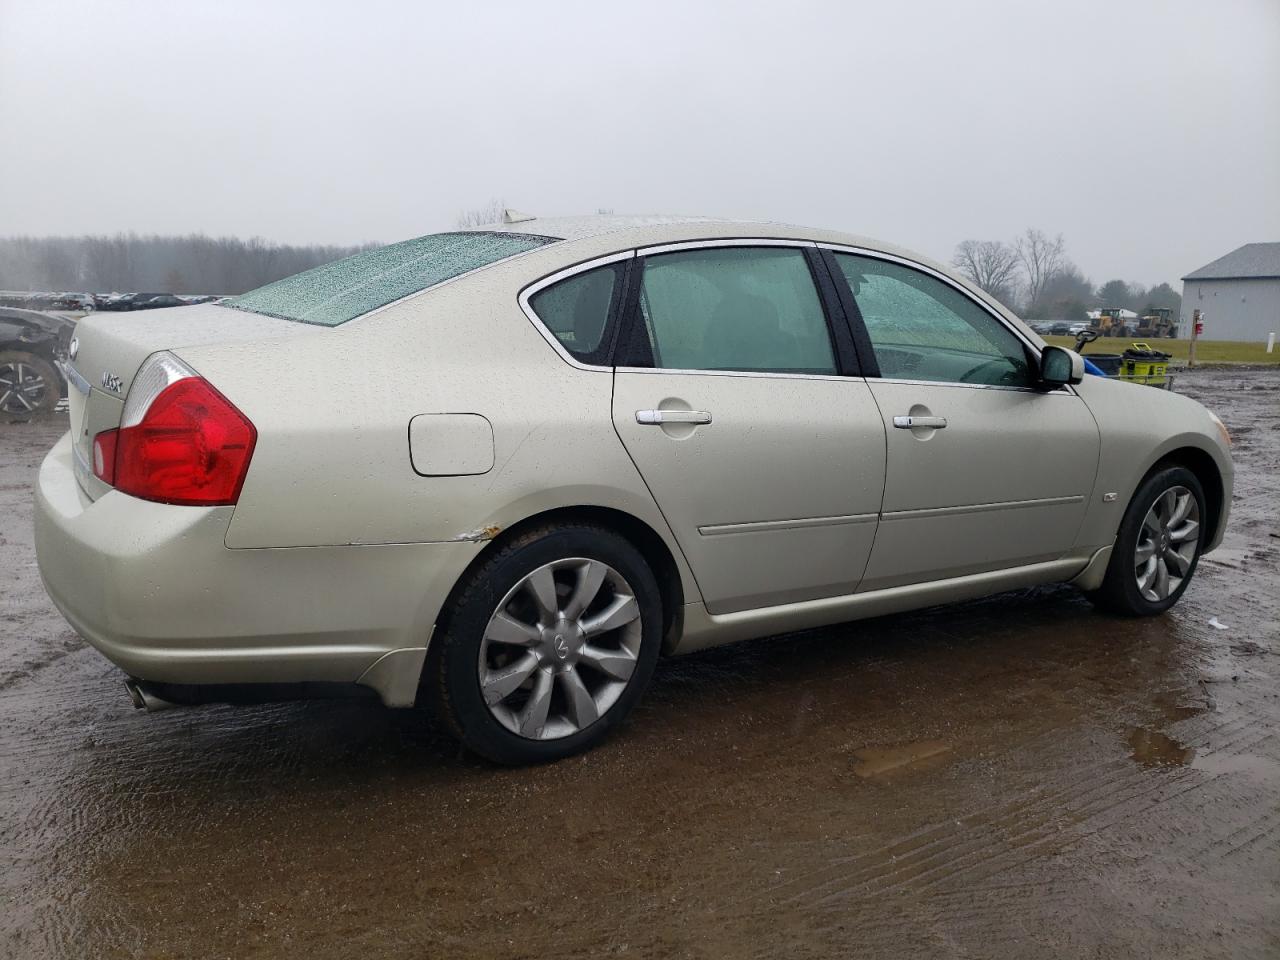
(128, 262)
(483, 215)
(1033, 276)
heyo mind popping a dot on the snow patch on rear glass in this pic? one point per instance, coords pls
(345, 289)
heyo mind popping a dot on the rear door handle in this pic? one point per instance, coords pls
(907, 423)
(659, 417)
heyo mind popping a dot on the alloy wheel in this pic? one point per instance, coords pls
(1167, 544)
(22, 388)
(560, 648)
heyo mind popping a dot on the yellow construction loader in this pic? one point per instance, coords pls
(1110, 323)
(1158, 324)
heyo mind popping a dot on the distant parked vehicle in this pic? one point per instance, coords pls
(1064, 328)
(70, 301)
(43, 300)
(31, 346)
(128, 301)
(116, 301)
(160, 300)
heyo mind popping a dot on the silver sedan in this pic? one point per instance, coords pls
(501, 471)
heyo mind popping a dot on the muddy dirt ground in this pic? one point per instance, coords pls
(1016, 777)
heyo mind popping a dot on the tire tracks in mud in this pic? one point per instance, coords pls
(984, 844)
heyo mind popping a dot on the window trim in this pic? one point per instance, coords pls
(612, 325)
(845, 360)
(862, 335)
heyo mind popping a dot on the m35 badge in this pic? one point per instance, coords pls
(111, 382)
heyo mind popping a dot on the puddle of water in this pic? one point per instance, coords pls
(874, 761)
(1151, 748)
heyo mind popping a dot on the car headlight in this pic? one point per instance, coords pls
(1222, 428)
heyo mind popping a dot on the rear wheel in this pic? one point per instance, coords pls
(550, 643)
(28, 384)
(1158, 545)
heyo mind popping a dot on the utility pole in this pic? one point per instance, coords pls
(1197, 328)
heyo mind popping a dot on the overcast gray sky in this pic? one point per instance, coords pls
(1147, 132)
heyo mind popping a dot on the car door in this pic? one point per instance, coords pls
(984, 470)
(761, 446)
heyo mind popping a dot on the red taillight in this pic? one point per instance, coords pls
(191, 447)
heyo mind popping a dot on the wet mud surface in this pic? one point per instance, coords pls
(1014, 777)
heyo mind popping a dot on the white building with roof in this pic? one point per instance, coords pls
(1238, 295)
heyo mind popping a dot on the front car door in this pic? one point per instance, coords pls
(984, 471)
(735, 398)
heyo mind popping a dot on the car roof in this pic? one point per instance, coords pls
(598, 234)
(647, 229)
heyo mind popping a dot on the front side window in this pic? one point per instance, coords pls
(734, 308)
(923, 329)
(345, 289)
(577, 310)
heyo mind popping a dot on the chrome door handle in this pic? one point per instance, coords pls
(659, 417)
(907, 423)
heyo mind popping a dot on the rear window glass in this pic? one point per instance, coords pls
(345, 289)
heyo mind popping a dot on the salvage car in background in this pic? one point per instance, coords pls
(117, 302)
(158, 301)
(589, 441)
(31, 346)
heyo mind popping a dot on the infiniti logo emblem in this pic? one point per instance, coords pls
(562, 647)
(73, 348)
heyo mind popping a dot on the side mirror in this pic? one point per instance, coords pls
(1059, 366)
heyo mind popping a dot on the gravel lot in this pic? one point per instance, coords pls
(1015, 777)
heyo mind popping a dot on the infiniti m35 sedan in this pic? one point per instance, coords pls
(499, 472)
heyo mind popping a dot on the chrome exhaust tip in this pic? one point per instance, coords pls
(135, 694)
(143, 699)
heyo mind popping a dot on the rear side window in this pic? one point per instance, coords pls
(340, 291)
(735, 308)
(577, 311)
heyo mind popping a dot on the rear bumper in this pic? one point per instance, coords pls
(155, 589)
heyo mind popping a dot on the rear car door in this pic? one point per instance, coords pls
(734, 396)
(984, 471)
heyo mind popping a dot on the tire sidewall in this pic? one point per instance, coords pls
(465, 626)
(1122, 566)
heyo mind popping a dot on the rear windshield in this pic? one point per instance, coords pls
(345, 289)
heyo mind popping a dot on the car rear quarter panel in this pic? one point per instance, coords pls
(1140, 425)
(332, 463)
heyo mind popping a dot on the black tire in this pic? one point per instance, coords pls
(1120, 592)
(451, 680)
(41, 401)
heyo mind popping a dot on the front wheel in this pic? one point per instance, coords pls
(549, 644)
(1157, 547)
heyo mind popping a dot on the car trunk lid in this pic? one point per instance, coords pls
(109, 350)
